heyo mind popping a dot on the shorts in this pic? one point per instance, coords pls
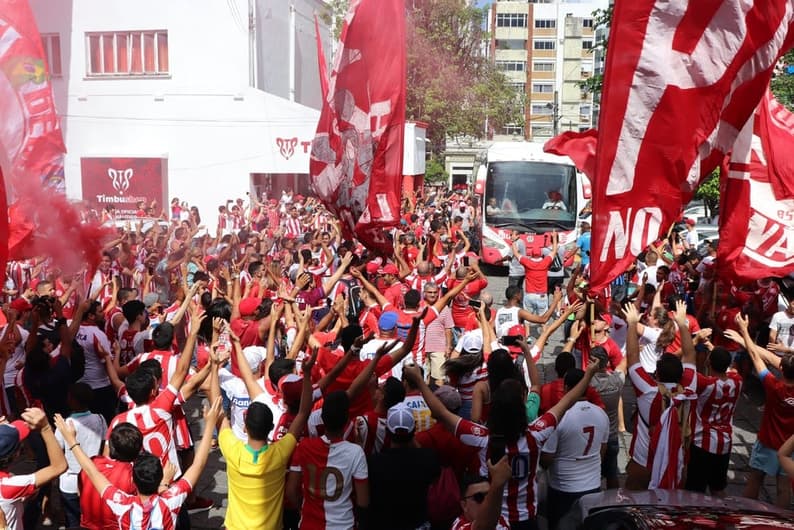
(536, 303)
(707, 470)
(765, 460)
(609, 464)
(435, 361)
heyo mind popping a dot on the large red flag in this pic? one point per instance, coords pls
(754, 224)
(356, 158)
(682, 79)
(579, 147)
(321, 60)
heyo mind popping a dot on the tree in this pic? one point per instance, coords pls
(782, 84)
(709, 192)
(435, 172)
(602, 18)
(334, 16)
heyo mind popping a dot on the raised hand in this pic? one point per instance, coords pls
(632, 315)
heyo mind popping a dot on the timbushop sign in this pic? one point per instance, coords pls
(124, 182)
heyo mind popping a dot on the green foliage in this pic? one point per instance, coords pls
(601, 18)
(709, 191)
(782, 84)
(435, 172)
(334, 16)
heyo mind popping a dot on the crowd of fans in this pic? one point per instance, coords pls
(347, 390)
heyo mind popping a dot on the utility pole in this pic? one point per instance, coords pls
(555, 109)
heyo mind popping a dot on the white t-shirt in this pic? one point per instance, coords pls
(577, 443)
(618, 330)
(235, 390)
(782, 324)
(648, 353)
(369, 349)
(92, 339)
(91, 429)
(692, 238)
(506, 318)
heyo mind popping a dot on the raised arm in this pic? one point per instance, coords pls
(211, 415)
(755, 351)
(371, 289)
(185, 304)
(70, 438)
(299, 423)
(471, 275)
(632, 336)
(328, 285)
(687, 346)
(37, 420)
(362, 379)
(183, 364)
(488, 517)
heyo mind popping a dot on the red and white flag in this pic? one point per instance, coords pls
(579, 147)
(683, 78)
(356, 158)
(755, 224)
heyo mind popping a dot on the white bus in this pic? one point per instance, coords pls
(523, 188)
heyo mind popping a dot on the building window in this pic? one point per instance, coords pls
(51, 42)
(542, 67)
(587, 23)
(545, 23)
(587, 44)
(513, 130)
(542, 130)
(511, 44)
(518, 87)
(543, 45)
(541, 109)
(127, 54)
(511, 66)
(543, 88)
(585, 110)
(511, 20)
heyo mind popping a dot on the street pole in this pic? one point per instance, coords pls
(556, 114)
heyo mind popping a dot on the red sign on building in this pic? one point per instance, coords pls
(124, 182)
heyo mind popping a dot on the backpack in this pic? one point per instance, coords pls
(443, 498)
(354, 304)
(556, 263)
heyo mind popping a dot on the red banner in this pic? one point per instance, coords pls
(754, 224)
(356, 159)
(123, 183)
(686, 77)
(31, 139)
(579, 147)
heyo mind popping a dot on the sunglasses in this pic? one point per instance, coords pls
(477, 497)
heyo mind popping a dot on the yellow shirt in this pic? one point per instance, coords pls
(255, 481)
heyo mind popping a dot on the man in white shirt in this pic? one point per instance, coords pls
(96, 347)
(781, 333)
(691, 240)
(573, 453)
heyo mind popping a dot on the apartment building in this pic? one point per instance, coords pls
(545, 50)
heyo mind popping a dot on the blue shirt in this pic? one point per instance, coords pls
(583, 243)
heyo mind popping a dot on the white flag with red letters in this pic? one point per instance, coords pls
(682, 78)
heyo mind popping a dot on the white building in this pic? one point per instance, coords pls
(544, 47)
(186, 85)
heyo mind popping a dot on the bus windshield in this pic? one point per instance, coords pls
(535, 195)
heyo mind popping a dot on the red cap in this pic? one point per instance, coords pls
(690, 221)
(372, 267)
(390, 269)
(20, 305)
(208, 258)
(248, 306)
(515, 331)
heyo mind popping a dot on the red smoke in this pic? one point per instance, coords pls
(43, 222)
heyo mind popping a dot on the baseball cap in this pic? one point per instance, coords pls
(387, 321)
(389, 269)
(254, 355)
(10, 436)
(515, 331)
(690, 221)
(400, 417)
(291, 386)
(449, 397)
(21, 304)
(150, 299)
(248, 306)
(471, 343)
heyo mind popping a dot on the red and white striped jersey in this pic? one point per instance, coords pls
(95, 514)
(372, 433)
(650, 406)
(316, 428)
(713, 416)
(14, 489)
(110, 331)
(159, 511)
(404, 321)
(520, 502)
(132, 343)
(293, 227)
(465, 384)
(156, 423)
(328, 469)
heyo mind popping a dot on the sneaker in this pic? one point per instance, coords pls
(199, 504)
